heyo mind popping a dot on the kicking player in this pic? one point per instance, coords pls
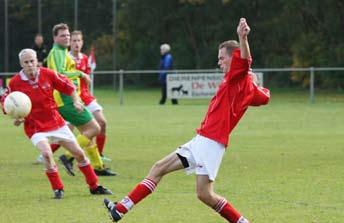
(60, 61)
(44, 123)
(203, 154)
(89, 100)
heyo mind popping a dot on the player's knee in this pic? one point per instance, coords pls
(47, 155)
(96, 129)
(48, 159)
(79, 155)
(204, 195)
(102, 124)
(158, 168)
(92, 130)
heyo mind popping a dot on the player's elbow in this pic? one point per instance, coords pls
(260, 102)
(267, 95)
(262, 97)
(265, 101)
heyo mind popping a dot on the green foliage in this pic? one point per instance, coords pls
(284, 33)
(104, 45)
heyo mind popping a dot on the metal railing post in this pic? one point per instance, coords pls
(311, 86)
(121, 73)
(114, 82)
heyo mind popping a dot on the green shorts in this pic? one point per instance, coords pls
(71, 115)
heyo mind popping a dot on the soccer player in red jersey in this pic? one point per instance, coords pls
(89, 100)
(44, 124)
(203, 154)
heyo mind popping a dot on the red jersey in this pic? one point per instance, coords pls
(44, 115)
(82, 65)
(236, 92)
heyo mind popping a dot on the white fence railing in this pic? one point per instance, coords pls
(122, 73)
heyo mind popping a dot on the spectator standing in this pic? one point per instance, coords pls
(166, 63)
(41, 50)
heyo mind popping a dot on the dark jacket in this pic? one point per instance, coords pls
(42, 52)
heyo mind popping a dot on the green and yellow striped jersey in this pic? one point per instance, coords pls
(60, 61)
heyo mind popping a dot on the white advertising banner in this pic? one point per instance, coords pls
(201, 85)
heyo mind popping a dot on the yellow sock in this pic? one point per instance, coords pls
(93, 154)
(83, 141)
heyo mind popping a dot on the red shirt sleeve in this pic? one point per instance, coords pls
(62, 83)
(239, 66)
(261, 96)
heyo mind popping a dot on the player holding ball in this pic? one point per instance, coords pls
(44, 124)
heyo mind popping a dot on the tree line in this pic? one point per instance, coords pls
(284, 33)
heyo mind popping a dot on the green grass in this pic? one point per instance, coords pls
(284, 165)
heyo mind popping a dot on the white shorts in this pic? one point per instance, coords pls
(61, 134)
(204, 156)
(94, 106)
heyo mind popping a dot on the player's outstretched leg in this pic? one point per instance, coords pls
(206, 194)
(142, 190)
(113, 213)
(147, 186)
(227, 211)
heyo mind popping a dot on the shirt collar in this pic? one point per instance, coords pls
(55, 45)
(78, 57)
(25, 78)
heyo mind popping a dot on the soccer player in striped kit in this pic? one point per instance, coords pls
(60, 61)
(203, 154)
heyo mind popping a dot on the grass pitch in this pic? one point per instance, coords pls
(284, 165)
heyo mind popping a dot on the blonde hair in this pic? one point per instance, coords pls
(26, 51)
(76, 32)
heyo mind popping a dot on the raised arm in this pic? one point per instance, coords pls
(243, 30)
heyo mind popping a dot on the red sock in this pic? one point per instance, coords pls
(54, 147)
(90, 176)
(227, 211)
(54, 179)
(141, 191)
(100, 141)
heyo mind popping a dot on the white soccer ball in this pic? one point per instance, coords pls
(17, 105)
